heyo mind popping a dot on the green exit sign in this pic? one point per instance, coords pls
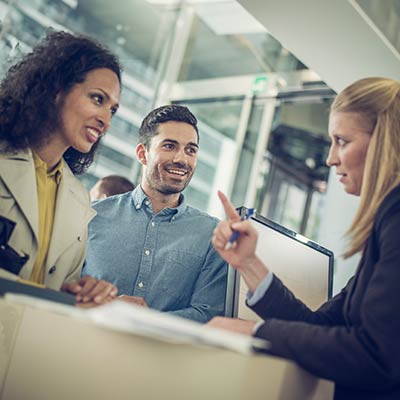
(260, 84)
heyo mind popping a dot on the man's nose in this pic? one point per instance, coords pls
(180, 156)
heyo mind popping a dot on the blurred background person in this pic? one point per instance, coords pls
(109, 186)
(55, 105)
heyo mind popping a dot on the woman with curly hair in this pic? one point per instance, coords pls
(352, 339)
(55, 105)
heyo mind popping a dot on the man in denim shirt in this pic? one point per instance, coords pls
(149, 243)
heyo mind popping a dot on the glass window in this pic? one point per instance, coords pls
(386, 16)
(209, 44)
(220, 114)
(196, 198)
(205, 171)
(247, 155)
(294, 172)
(212, 55)
(124, 130)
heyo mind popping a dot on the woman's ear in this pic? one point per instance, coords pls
(58, 101)
(141, 153)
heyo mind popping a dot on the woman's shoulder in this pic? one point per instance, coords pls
(7, 151)
(392, 198)
(390, 204)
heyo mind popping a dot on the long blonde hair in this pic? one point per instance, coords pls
(378, 101)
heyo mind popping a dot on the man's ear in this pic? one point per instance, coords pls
(141, 153)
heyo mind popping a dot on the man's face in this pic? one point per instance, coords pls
(171, 159)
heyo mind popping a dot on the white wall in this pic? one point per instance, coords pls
(332, 37)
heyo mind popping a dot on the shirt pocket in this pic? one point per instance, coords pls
(180, 272)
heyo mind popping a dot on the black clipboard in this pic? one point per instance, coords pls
(8, 286)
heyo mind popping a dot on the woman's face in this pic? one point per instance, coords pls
(350, 134)
(87, 109)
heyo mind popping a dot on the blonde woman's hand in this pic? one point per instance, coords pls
(233, 324)
(243, 250)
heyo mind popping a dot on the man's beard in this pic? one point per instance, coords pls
(156, 182)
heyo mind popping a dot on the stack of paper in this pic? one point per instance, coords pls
(127, 317)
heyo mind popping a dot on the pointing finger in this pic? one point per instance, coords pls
(230, 211)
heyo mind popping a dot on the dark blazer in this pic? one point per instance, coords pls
(354, 338)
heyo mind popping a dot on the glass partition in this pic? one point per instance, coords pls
(385, 15)
(294, 172)
(210, 54)
(239, 81)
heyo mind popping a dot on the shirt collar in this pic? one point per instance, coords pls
(55, 173)
(140, 199)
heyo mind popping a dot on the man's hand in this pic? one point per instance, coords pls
(133, 299)
(233, 324)
(91, 290)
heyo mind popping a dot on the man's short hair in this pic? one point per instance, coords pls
(172, 112)
(115, 184)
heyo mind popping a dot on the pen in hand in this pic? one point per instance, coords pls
(249, 212)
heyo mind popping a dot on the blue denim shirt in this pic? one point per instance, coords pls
(166, 258)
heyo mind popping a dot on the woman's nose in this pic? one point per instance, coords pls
(332, 158)
(104, 117)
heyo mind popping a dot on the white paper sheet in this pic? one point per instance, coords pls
(121, 316)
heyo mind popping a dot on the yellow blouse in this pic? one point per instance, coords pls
(47, 185)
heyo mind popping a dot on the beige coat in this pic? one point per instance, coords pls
(18, 202)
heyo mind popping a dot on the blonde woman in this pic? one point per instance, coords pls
(353, 339)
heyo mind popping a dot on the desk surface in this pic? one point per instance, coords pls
(45, 355)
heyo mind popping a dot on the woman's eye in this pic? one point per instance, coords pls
(340, 141)
(113, 110)
(98, 98)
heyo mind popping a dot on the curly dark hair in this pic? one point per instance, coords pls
(28, 109)
(171, 112)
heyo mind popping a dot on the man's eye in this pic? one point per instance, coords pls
(192, 150)
(168, 145)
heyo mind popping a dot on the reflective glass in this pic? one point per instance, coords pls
(386, 16)
(221, 114)
(247, 155)
(212, 55)
(160, 44)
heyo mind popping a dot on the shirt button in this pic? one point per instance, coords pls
(173, 218)
(52, 269)
(147, 252)
(140, 284)
(147, 202)
(79, 239)
(137, 207)
(153, 224)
